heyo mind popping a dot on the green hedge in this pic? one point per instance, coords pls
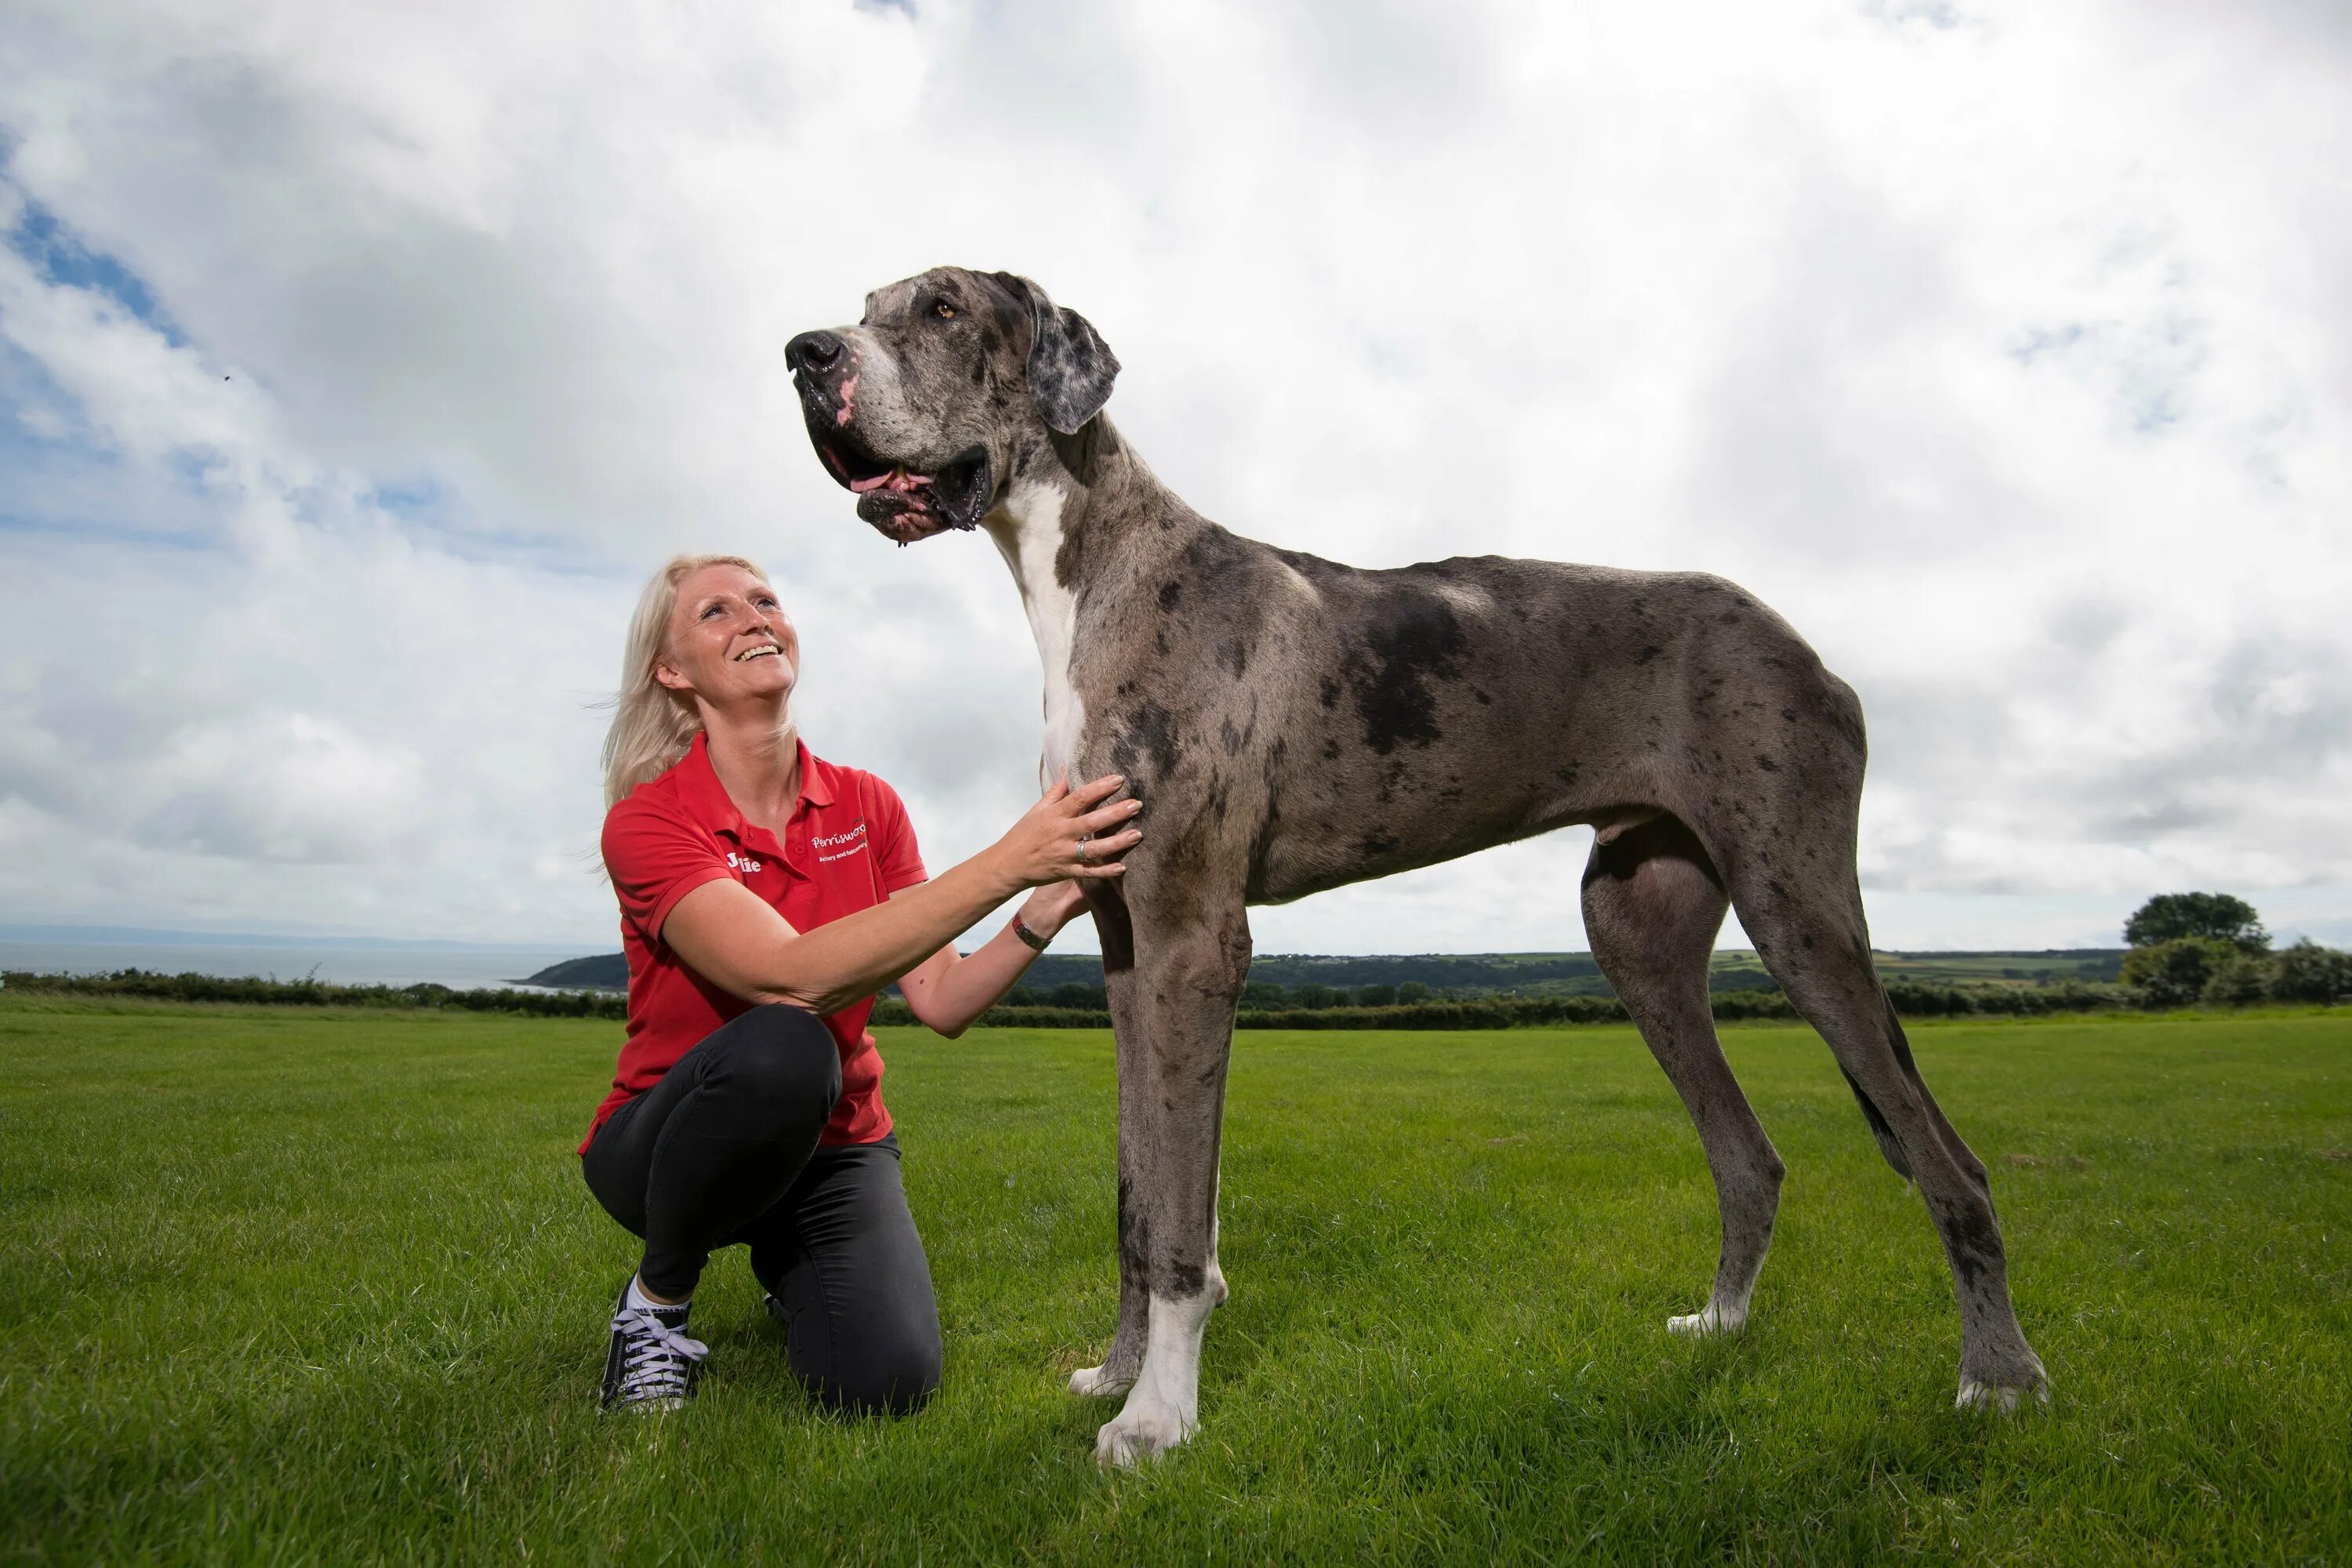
(1912, 1001)
(193, 987)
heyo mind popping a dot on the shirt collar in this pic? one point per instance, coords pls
(698, 781)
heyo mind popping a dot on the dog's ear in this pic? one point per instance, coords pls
(1070, 367)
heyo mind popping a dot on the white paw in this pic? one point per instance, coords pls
(1994, 1398)
(1094, 1382)
(1144, 1430)
(1710, 1320)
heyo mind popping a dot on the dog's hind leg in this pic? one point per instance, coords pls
(1653, 904)
(1794, 883)
(1176, 1036)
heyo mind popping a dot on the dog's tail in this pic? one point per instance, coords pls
(1887, 1143)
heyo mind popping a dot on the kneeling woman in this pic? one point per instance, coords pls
(766, 895)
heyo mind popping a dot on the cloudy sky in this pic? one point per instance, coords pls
(358, 362)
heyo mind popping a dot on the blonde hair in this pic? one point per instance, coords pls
(652, 725)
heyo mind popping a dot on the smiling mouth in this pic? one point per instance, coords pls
(766, 650)
(897, 501)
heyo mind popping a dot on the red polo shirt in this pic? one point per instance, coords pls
(848, 847)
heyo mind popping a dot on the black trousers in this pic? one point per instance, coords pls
(724, 1151)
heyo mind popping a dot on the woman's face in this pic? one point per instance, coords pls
(730, 640)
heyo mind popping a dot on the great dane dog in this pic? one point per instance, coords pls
(1293, 725)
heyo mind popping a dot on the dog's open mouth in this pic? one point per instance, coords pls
(899, 503)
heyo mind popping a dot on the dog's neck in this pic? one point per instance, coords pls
(1082, 513)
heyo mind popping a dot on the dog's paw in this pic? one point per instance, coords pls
(2002, 1381)
(1099, 1382)
(2000, 1399)
(1709, 1320)
(1144, 1430)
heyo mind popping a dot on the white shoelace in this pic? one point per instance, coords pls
(655, 1357)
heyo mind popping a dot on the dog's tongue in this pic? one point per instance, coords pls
(896, 479)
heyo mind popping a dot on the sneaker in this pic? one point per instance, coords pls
(652, 1364)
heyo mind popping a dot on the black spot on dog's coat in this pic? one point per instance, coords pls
(1149, 732)
(1413, 639)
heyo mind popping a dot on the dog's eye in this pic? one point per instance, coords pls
(943, 311)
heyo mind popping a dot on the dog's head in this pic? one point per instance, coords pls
(948, 383)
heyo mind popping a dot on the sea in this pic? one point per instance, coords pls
(338, 960)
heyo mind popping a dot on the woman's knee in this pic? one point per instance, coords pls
(889, 1377)
(784, 1054)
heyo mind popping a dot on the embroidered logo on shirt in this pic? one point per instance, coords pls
(842, 844)
(741, 862)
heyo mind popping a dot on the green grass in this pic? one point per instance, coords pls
(288, 1287)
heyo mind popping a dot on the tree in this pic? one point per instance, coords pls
(2175, 973)
(1412, 991)
(1265, 996)
(1317, 995)
(2310, 973)
(1377, 996)
(2171, 917)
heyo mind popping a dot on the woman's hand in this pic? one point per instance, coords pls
(1050, 908)
(1069, 834)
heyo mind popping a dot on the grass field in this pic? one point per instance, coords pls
(282, 1287)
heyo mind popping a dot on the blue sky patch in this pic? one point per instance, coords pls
(61, 257)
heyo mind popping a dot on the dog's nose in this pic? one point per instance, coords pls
(815, 352)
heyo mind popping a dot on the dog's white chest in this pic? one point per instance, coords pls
(1028, 529)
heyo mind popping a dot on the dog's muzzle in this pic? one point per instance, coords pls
(904, 499)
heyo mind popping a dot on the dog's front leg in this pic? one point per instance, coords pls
(1116, 1373)
(1176, 1034)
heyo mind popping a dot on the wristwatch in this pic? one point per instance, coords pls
(1037, 944)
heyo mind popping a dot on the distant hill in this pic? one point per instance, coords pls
(1493, 973)
(605, 972)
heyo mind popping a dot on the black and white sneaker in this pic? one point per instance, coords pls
(652, 1364)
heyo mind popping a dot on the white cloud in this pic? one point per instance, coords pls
(1998, 345)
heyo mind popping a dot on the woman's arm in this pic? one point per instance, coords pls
(948, 990)
(735, 940)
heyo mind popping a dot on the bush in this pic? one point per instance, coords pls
(2175, 973)
(2310, 973)
(2240, 981)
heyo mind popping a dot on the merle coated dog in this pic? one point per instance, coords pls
(1293, 724)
